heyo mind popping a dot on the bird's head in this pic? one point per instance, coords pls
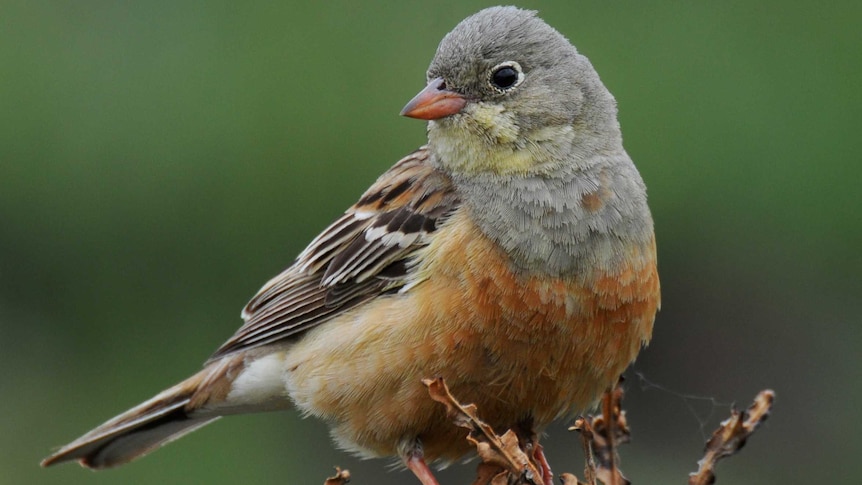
(509, 94)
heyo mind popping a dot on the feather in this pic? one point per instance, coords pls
(365, 253)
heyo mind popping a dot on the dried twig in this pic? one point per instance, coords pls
(601, 436)
(494, 450)
(731, 435)
(504, 462)
(609, 431)
(582, 426)
(341, 477)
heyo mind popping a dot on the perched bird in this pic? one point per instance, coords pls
(513, 255)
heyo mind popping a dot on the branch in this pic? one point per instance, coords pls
(601, 435)
(341, 477)
(505, 462)
(730, 436)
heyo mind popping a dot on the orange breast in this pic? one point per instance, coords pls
(517, 346)
(531, 346)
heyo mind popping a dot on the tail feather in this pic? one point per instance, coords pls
(140, 430)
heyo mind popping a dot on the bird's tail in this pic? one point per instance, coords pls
(169, 415)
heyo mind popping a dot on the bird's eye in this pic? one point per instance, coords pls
(506, 76)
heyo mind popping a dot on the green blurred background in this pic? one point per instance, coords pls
(160, 160)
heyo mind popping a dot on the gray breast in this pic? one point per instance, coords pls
(564, 223)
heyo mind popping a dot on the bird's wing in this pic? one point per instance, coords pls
(365, 253)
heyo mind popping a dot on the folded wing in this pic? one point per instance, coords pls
(367, 252)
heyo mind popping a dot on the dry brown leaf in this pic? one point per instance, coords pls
(569, 479)
(486, 473)
(341, 477)
(503, 451)
(731, 435)
(502, 478)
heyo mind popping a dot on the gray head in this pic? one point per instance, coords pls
(518, 96)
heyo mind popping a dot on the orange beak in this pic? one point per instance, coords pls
(434, 102)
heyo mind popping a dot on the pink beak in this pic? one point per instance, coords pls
(434, 102)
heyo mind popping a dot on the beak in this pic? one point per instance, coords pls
(434, 102)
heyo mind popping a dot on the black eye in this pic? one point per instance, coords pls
(506, 76)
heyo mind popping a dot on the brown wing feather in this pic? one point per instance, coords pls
(362, 255)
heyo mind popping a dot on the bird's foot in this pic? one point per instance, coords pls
(415, 462)
(542, 462)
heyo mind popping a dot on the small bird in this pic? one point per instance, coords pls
(513, 255)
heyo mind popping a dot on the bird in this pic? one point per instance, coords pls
(514, 255)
